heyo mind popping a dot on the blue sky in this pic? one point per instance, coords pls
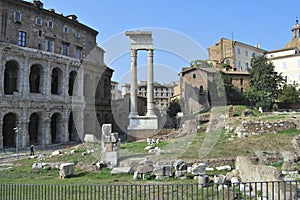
(265, 22)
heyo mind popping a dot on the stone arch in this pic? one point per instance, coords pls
(9, 123)
(98, 88)
(87, 86)
(106, 89)
(56, 128)
(72, 78)
(73, 135)
(57, 81)
(34, 129)
(35, 79)
(11, 77)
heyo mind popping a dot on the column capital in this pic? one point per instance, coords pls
(133, 52)
(150, 52)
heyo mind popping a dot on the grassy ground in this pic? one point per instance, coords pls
(185, 148)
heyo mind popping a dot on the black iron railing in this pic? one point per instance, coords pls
(276, 190)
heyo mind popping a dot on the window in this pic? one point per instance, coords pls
(22, 38)
(283, 65)
(49, 45)
(38, 21)
(194, 75)
(239, 65)
(50, 24)
(241, 81)
(287, 79)
(40, 33)
(77, 34)
(253, 55)
(78, 52)
(246, 53)
(247, 66)
(17, 17)
(89, 44)
(65, 48)
(66, 29)
(162, 94)
(238, 51)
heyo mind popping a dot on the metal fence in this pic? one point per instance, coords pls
(279, 190)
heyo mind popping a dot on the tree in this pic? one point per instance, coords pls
(233, 95)
(265, 82)
(289, 94)
(174, 108)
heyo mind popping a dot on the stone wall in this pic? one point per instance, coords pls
(249, 128)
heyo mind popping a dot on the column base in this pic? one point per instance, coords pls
(143, 123)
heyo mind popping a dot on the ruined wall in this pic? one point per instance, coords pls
(248, 128)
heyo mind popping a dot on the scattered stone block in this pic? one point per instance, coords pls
(225, 167)
(66, 170)
(55, 153)
(203, 180)
(121, 170)
(90, 138)
(198, 169)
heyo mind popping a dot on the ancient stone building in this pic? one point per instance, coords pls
(55, 87)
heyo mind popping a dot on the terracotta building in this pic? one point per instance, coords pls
(55, 87)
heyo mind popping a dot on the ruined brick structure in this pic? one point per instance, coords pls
(55, 86)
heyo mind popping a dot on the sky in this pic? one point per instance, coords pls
(188, 27)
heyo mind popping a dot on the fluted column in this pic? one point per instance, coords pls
(150, 98)
(133, 86)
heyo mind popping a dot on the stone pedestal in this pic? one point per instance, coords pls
(110, 144)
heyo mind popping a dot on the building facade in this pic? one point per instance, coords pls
(162, 93)
(236, 54)
(287, 59)
(53, 78)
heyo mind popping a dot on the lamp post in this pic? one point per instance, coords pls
(16, 129)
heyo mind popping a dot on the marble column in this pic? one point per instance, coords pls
(133, 86)
(150, 98)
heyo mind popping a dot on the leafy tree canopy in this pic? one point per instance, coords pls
(265, 82)
(289, 94)
(174, 108)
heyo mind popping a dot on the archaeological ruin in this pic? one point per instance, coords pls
(55, 86)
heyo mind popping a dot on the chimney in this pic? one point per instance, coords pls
(38, 3)
(52, 10)
(72, 17)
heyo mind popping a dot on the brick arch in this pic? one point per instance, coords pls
(36, 78)
(57, 81)
(56, 127)
(10, 121)
(11, 77)
(73, 90)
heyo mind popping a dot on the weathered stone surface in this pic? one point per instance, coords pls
(144, 169)
(249, 128)
(66, 169)
(165, 170)
(180, 165)
(121, 170)
(224, 167)
(249, 172)
(289, 166)
(90, 138)
(198, 169)
(109, 146)
(55, 153)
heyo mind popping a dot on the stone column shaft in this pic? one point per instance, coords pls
(150, 83)
(133, 85)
